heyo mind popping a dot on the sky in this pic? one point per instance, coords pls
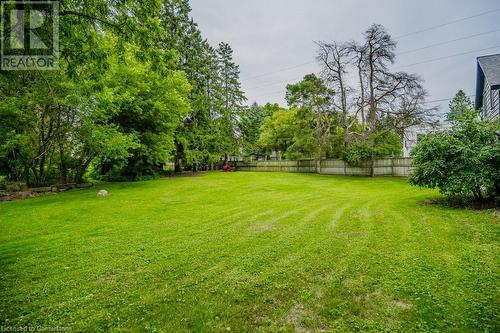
(274, 40)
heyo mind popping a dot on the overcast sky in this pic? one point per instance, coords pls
(268, 36)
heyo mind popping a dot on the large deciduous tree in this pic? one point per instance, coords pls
(314, 103)
(120, 99)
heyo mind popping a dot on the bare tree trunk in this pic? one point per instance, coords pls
(372, 112)
(362, 97)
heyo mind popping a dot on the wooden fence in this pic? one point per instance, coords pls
(400, 167)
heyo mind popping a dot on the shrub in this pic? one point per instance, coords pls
(379, 145)
(356, 153)
(462, 162)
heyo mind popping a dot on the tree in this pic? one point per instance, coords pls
(120, 101)
(382, 103)
(380, 144)
(251, 121)
(462, 162)
(358, 55)
(278, 131)
(314, 103)
(148, 104)
(383, 85)
(459, 105)
(201, 136)
(231, 98)
(407, 111)
(335, 58)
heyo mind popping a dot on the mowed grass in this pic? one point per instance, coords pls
(249, 252)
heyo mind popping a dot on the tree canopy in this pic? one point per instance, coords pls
(138, 86)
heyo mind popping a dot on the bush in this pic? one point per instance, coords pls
(379, 145)
(462, 162)
(356, 153)
(15, 186)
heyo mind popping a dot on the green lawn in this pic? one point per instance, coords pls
(246, 252)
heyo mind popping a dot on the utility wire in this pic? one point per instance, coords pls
(281, 70)
(445, 99)
(400, 53)
(402, 66)
(447, 57)
(447, 23)
(398, 37)
(269, 94)
(449, 41)
(426, 102)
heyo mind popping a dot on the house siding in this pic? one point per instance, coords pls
(495, 105)
(488, 86)
(491, 103)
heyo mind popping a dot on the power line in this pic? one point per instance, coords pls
(275, 83)
(402, 66)
(447, 23)
(281, 70)
(447, 57)
(445, 99)
(269, 94)
(399, 37)
(426, 102)
(399, 53)
(449, 41)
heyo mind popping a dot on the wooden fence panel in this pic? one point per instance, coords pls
(400, 167)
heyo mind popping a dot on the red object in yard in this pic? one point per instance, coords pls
(227, 168)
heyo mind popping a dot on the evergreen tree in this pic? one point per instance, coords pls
(230, 98)
(460, 105)
(251, 122)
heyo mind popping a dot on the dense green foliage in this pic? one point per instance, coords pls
(459, 106)
(462, 162)
(378, 145)
(313, 128)
(138, 87)
(357, 254)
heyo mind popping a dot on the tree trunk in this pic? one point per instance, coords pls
(362, 98)
(41, 172)
(372, 166)
(63, 166)
(82, 169)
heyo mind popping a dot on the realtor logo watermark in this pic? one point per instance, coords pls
(30, 35)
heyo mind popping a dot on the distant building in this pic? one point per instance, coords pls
(411, 136)
(488, 86)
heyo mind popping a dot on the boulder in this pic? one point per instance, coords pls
(102, 193)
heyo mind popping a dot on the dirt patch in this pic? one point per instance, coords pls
(402, 304)
(18, 195)
(299, 317)
(262, 227)
(296, 316)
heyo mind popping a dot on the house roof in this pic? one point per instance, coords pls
(488, 68)
(491, 68)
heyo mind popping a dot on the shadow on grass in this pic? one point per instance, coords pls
(460, 203)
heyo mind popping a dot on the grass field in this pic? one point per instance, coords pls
(246, 252)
